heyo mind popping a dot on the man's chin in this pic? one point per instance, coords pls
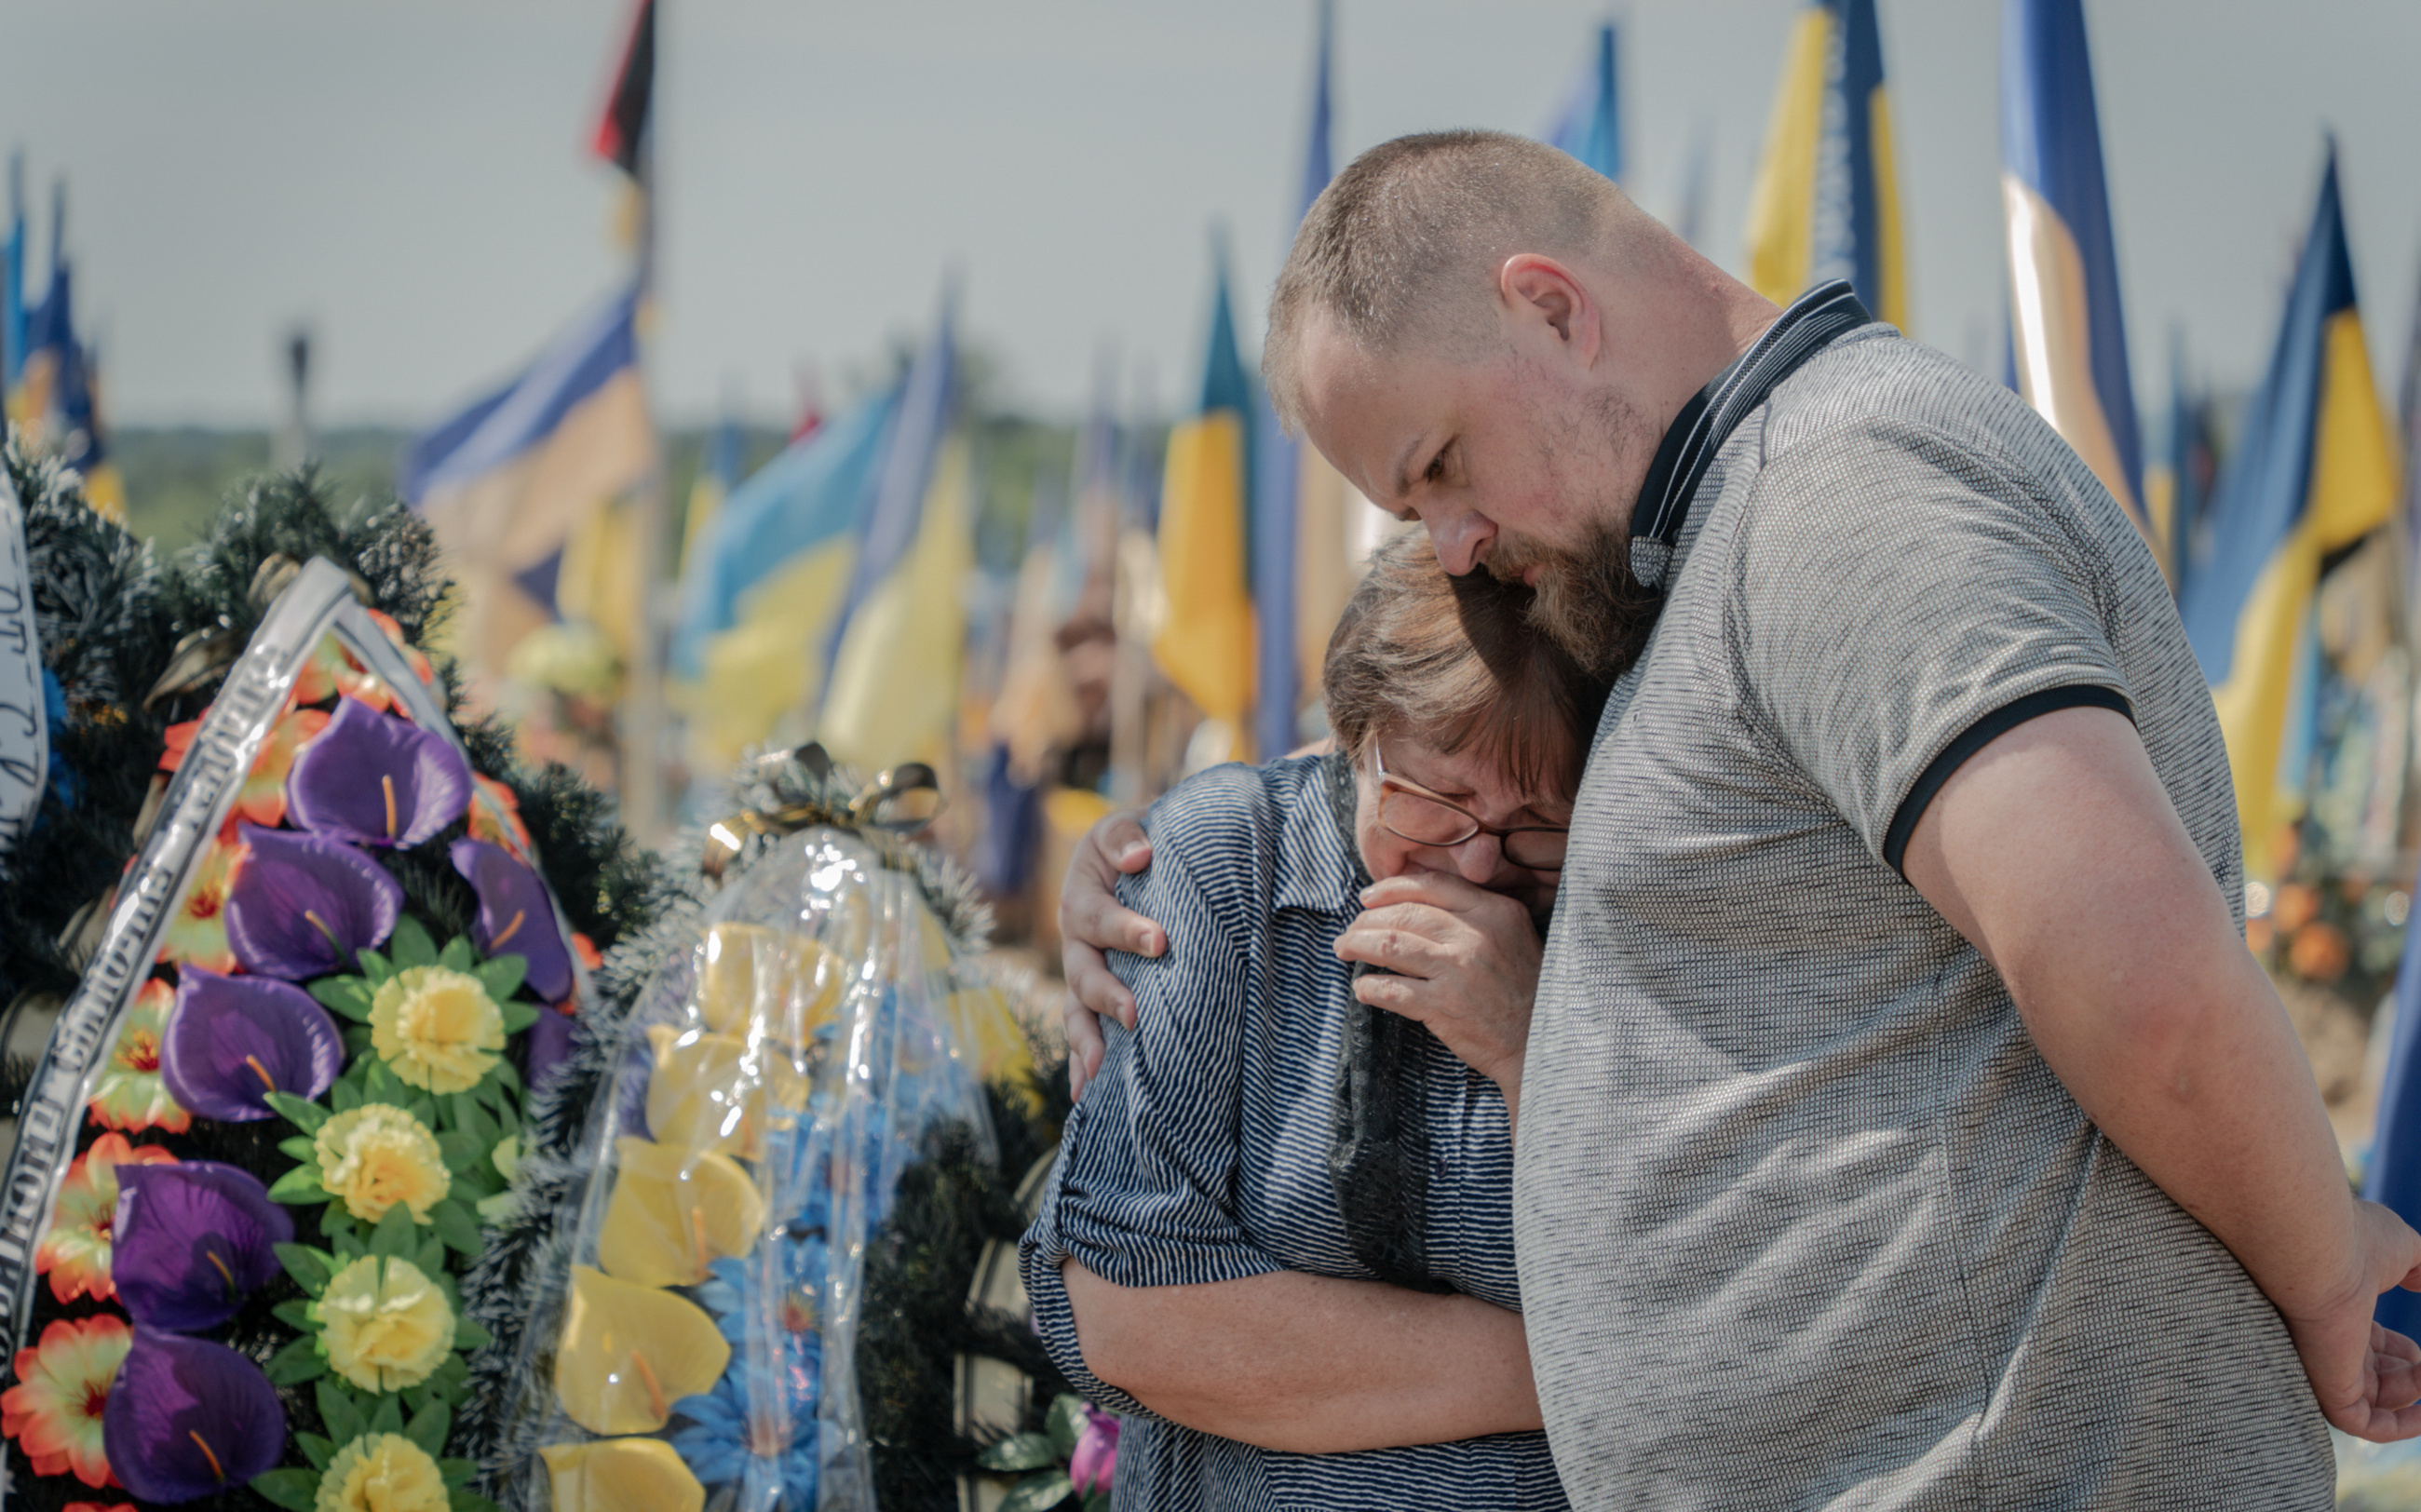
(1603, 623)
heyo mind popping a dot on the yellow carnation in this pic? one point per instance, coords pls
(384, 1324)
(375, 1155)
(382, 1473)
(436, 1028)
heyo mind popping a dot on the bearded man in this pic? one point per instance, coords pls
(1903, 1123)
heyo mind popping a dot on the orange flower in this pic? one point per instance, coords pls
(333, 669)
(128, 1093)
(262, 798)
(53, 1412)
(197, 932)
(496, 818)
(75, 1253)
(2296, 906)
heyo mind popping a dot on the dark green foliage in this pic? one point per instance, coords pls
(606, 881)
(917, 1321)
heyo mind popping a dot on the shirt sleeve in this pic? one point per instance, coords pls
(1143, 1191)
(1900, 601)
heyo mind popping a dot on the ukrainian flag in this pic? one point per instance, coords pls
(1288, 587)
(2312, 472)
(892, 689)
(1826, 203)
(508, 484)
(763, 586)
(2069, 341)
(13, 326)
(1205, 645)
(1589, 127)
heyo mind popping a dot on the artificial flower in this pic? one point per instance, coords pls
(621, 1475)
(752, 1437)
(262, 797)
(303, 905)
(232, 1040)
(96, 1506)
(333, 668)
(545, 1046)
(772, 981)
(197, 933)
(782, 1284)
(75, 1251)
(674, 1212)
(1095, 1463)
(718, 1092)
(374, 779)
(436, 1028)
(384, 1324)
(188, 1419)
(375, 1155)
(194, 1241)
(63, 1384)
(382, 1473)
(496, 817)
(516, 916)
(629, 1352)
(128, 1093)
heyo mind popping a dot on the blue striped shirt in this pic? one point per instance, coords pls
(1200, 1153)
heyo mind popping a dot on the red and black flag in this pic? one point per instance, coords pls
(622, 131)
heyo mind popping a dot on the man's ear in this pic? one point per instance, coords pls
(1537, 287)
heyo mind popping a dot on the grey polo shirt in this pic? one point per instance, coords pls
(1803, 1220)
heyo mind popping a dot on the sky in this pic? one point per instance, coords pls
(408, 177)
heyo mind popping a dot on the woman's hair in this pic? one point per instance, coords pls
(1452, 663)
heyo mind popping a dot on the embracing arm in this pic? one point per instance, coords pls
(2056, 852)
(1309, 1365)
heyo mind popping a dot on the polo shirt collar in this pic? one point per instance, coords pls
(1708, 419)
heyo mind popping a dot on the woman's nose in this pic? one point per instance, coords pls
(1481, 859)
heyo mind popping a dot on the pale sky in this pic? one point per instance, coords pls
(410, 180)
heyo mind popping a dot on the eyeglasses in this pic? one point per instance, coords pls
(1412, 813)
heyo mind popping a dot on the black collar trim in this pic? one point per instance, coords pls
(1708, 420)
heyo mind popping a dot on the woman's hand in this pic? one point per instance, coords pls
(1466, 965)
(1091, 922)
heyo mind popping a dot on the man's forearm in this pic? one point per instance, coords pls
(1309, 1365)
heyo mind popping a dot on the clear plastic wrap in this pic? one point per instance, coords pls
(769, 1084)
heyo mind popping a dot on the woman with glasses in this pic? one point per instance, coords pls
(1279, 1235)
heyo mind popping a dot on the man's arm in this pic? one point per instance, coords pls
(2055, 850)
(1309, 1365)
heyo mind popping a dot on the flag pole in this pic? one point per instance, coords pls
(643, 707)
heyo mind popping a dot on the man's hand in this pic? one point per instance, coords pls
(2366, 1377)
(2055, 850)
(1092, 922)
(1466, 964)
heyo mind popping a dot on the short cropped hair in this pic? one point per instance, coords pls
(1403, 241)
(1451, 662)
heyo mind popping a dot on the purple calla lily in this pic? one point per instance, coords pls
(187, 1418)
(188, 1251)
(516, 916)
(549, 1045)
(301, 905)
(375, 779)
(232, 1040)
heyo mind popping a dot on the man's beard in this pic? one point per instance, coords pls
(1585, 600)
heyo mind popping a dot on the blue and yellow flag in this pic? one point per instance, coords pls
(1279, 464)
(2068, 339)
(1589, 127)
(2313, 471)
(763, 583)
(1826, 204)
(1206, 643)
(82, 440)
(511, 482)
(14, 328)
(892, 691)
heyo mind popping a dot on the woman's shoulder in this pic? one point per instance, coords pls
(1209, 813)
